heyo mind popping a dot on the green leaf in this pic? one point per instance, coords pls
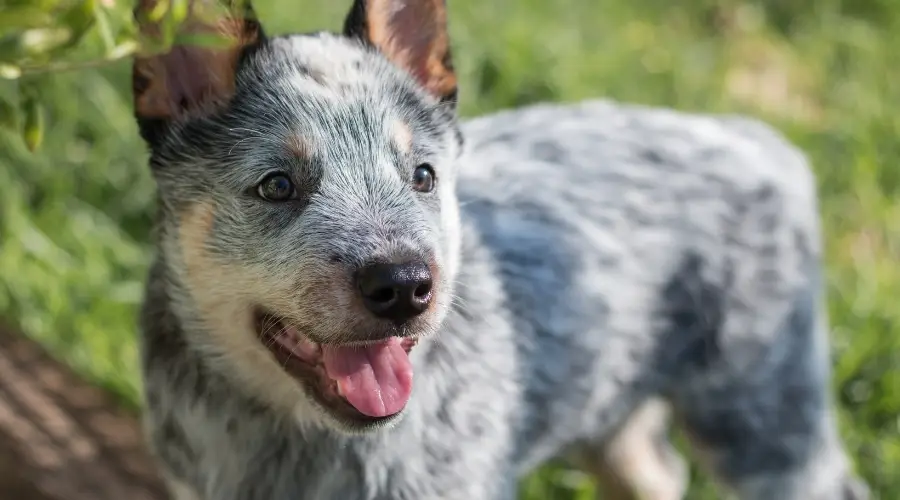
(23, 17)
(79, 18)
(42, 40)
(9, 71)
(179, 11)
(106, 34)
(33, 129)
(125, 48)
(158, 11)
(9, 118)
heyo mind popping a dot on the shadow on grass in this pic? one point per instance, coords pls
(61, 438)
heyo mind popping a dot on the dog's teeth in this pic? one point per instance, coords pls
(339, 390)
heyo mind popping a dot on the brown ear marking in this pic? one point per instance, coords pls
(193, 79)
(413, 35)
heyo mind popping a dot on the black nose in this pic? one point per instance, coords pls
(395, 291)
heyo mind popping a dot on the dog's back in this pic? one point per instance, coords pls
(357, 298)
(646, 253)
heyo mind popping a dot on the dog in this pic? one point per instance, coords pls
(358, 295)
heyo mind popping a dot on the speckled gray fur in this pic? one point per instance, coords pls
(605, 255)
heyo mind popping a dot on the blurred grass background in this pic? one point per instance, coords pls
(75, 216)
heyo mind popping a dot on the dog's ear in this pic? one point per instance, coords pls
(192, 79)
(413, 35)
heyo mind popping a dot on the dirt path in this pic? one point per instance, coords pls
(63, 439)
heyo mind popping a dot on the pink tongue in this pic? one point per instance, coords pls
(376, 379)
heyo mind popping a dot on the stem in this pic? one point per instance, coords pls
(59, 67)
(124, 52)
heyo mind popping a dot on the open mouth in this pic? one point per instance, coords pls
(365, 383)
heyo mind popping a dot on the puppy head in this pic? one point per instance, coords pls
(306, 185)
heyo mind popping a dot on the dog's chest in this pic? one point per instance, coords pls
(324, 468)
(422, 459)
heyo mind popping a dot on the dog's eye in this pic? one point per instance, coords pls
(276, 187)
(423, 178)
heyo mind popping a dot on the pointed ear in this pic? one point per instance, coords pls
(192, 78)
(413, 35)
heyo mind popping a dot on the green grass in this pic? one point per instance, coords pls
(74, 218)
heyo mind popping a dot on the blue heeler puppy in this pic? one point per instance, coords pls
(356, 296)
